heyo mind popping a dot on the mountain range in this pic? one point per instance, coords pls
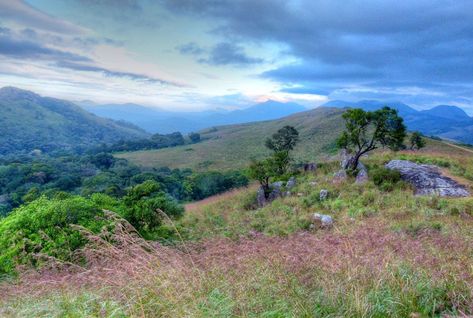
(29, 121)
(444, 121)
(157, 120)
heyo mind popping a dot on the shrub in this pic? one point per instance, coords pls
(384, 178)
(42, 226)
(142, 203)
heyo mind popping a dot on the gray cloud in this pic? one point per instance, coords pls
(22, 49)
(223, 53)
(190, 49)
(346, 43)
(110, 73)
(229, 54)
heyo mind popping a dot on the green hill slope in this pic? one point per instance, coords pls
(229, 147)
(29, 121)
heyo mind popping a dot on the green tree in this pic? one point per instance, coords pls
(417, 141)
(142, 203)
(281, 143)
(367, 131)
(194, 137)
(285, 139)
(263, 171)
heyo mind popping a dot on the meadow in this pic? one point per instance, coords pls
(232, 147)
(389, 254)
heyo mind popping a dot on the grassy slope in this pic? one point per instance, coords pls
(390, 254)
(230, 147)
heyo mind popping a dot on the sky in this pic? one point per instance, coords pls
(209, 54)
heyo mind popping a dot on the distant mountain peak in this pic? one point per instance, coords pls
(447, 111)
(11, 92)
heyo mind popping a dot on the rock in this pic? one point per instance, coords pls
(277, 190)
(260, 197)
(322, 220)
(427, 179)
(313, 183)
(291, 183)
(310, 167)
(340, 176)
(344, 158)
(362, 175)
(323, 194)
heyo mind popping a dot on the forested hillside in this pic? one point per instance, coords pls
(29, 121)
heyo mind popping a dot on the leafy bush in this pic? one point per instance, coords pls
(384, 178)
(42, 226)
(142, 203)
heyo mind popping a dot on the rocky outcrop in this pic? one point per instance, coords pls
(277, 189)
(341, 175)
(427, 179)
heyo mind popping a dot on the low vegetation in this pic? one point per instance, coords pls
(232, 147)
(389, 253)
(118, 243)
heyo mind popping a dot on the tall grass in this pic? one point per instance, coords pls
(390, 254)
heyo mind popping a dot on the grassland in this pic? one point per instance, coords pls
(389, 254)
(230, 147)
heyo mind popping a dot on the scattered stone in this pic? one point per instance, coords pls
(277, 190)
(362, 175)
(260, 197)
(323, 194)
(322, 220)
(299, 194)
(313, 183)
(340, 176)
(428, 179)
(310, 167)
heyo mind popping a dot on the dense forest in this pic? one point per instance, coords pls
(24, 178)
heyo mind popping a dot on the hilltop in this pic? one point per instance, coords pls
(29, 121)
(233, 146)
(444, 121)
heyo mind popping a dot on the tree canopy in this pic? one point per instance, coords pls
(366, 131)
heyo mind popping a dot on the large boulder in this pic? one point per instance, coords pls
(427, 179)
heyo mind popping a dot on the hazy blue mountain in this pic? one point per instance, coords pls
(157, 120)
(450, 122)
(446, 111)
(29, 121)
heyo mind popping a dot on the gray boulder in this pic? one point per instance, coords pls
(277, 190)
(323, 194)
(362, 175)
(428, 179)
(322, 220)
(260, 197)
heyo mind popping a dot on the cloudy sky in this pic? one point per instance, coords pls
(199, 54)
